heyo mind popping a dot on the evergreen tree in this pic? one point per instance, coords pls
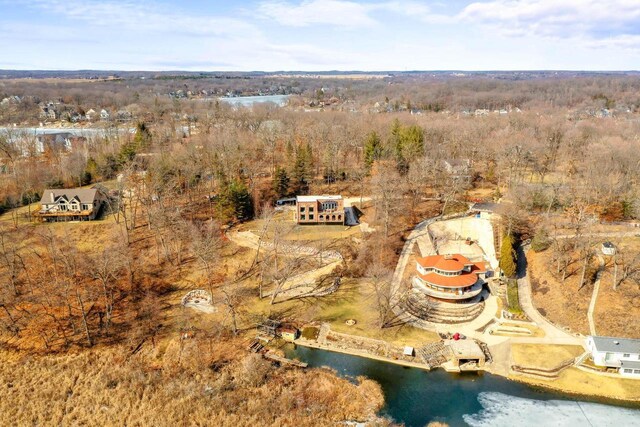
(407, 143)
(235, 202)
(142, 138)
(302, 170)
(412, 142)
(372, 149)
(281, 183)
(541, 240)
(507, 256)
(141, 141)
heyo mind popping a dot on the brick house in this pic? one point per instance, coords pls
(320, 210)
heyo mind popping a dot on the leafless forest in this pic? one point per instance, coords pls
(561, 154)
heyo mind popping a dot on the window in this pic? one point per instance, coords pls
(303, 217)
(339, 217)
(301, 208)
(636, 371)
(321, 217)
(310, 208)
(63, 207)
(627, 371)
(310, 217)
(626, 355)
(329, 206)
(333, 217)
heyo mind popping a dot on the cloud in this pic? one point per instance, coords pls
(590, 21)
(333, 12)
(340, 13)
(625, 41)
(143, 16)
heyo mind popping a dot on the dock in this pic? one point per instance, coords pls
(284, 360)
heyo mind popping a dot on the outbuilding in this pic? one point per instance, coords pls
(466, 354)
(608, 248)
(289, 333)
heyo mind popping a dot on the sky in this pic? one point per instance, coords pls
(317, 35)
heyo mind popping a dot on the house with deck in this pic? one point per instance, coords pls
(74, 204)
(320, 210)
(449, 277)
(622, 354)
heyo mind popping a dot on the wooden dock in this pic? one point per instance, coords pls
(284, 360)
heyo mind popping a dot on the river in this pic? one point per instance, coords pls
(416, 397)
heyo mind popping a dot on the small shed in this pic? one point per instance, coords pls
(408, 351)
(289, 333)
(466, 351)
(608, 248)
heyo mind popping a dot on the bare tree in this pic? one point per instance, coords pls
(106, 267)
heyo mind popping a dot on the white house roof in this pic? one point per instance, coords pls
(316, 198)
(616, 345)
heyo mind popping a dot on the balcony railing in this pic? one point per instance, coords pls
(454, 295)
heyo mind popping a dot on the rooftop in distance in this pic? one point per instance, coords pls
(316, 198)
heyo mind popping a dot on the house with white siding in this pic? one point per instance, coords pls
(620, 353)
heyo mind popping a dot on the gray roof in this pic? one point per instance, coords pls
(485, 206)
(633, 364)
(84, 195)
(617, 345)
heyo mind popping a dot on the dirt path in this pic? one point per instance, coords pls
(604, 234)
(303, 284)
(552, 333)
(594, 296)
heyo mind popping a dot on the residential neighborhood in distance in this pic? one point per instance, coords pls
(320, 213)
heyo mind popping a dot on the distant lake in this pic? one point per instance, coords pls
(416, 397)
(248, 101)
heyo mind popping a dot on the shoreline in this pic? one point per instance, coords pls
(351, 352)
(541, 384)
(520, 379)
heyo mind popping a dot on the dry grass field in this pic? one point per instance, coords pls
(617, 312)
(543, 356)
(563, 304)
(200, 381)
(573, 380)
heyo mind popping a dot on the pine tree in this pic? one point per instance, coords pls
(235, 202)
(407, 144)
(302, 170)
(281, 183)
(507, 256)
(142, 138)
(372, 149)
(141, 141)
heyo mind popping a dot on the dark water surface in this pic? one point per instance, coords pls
(416, 397)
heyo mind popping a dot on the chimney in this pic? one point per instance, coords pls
(53, 197)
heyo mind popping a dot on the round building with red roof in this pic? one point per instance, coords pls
(449, 277)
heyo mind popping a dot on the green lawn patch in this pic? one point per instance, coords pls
(512, 297)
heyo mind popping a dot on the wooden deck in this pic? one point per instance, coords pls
(284, 360)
